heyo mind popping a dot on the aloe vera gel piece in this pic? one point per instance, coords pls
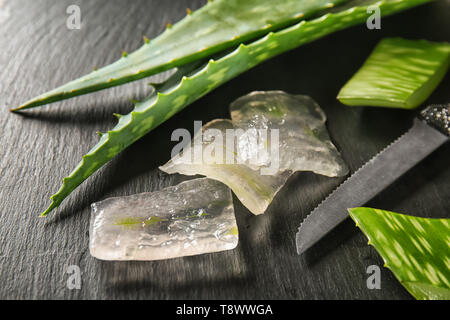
(272, 134)
(193, 217)
(416, 250)
(399, 73)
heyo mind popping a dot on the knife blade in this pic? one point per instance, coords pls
(429, 131)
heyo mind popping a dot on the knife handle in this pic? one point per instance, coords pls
(437, 116)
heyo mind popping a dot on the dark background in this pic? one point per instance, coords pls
(40, 147)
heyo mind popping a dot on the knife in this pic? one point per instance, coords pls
(429, 131)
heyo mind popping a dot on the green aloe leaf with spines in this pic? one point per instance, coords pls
(187, 85)
(416, 250)
(219, 25)
(399, 73)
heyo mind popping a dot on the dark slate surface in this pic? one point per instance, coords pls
(40, 147)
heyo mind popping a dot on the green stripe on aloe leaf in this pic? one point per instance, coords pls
(399, 73)
(416, 250)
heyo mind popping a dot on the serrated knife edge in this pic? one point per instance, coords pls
(315, 228)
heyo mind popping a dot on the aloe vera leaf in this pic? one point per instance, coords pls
(216, 26)
(174, 96)
(399, 73)
(416, 250)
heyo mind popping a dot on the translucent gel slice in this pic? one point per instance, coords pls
(304, 145)
(194, 217)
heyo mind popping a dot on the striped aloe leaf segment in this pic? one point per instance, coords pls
(188, 85)
(399, 73)
(416, 250)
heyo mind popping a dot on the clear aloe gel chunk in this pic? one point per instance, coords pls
(261, 160)
(399, 73)
(193, 217)
(252, 188)
(304, 143)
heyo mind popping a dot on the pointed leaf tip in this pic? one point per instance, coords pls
(15, 110)
(52, 206)
(117, 115)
